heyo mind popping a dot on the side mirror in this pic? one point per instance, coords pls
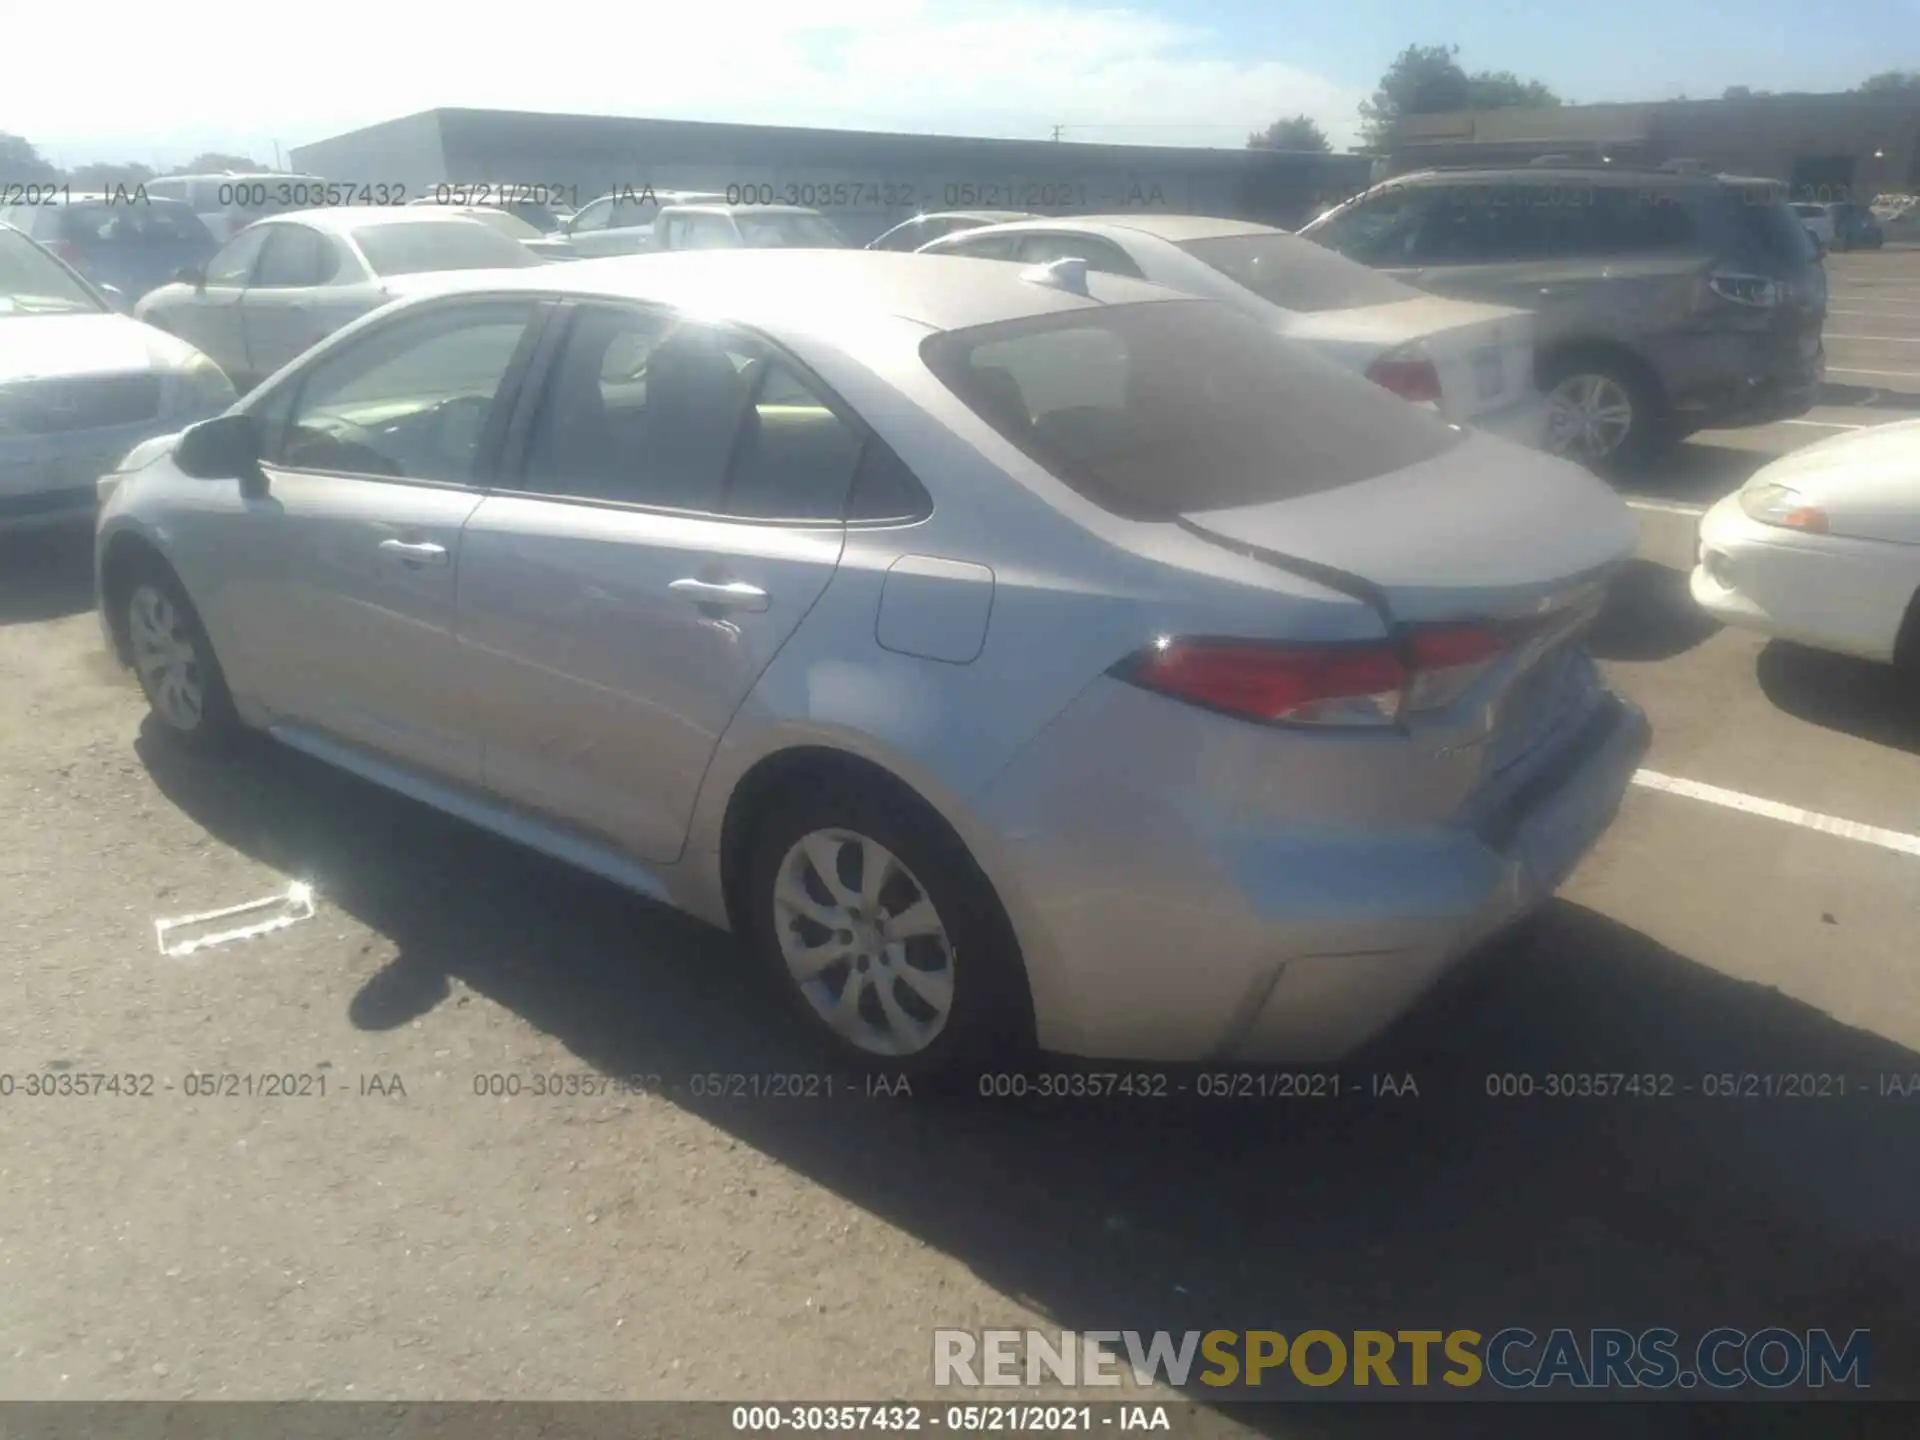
(194, 275)
(227, 447)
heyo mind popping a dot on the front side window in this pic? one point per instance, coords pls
(629, 214)
(410, 400)
(163, 222)
(234, 261)
(295, 258)
(407, 247)
(1167, 408)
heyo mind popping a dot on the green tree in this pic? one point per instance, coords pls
(1500, 89)
(105, 175)
(1890, 82)
(1422, 80)
(213, 162)
(1428, 80)
(21, 164)
(1296, 132)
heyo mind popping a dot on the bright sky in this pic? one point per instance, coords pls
(239, 75)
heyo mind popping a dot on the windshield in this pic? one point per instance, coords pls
(773, 232)
(411, 248)
(1297, 274)
(1168, 408)
(511, 226)
(34, 283)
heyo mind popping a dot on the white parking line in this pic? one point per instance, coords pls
(1877, 310)
(1825, 424)
(1773, 810)
(1667, 507)
(1854, 370)
(1882, 339)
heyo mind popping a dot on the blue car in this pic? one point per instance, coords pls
(128, 245)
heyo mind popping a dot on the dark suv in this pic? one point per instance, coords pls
(1667, 301)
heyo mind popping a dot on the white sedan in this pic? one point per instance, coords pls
(1823, 547)
(1471, 362)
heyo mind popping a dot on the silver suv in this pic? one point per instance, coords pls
(1667, 300)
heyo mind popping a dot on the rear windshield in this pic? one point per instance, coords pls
(1174, 407)
(1757, 220)
(408, 248)
(775, 232)
(1297, 274)
(150, 222)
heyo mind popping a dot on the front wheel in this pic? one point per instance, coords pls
(882, 932)
(174, 661)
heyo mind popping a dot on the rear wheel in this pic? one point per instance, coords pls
(882, 932)
(1602, 412)
(175, 663)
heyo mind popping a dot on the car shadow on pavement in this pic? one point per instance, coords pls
(45, 574)
(1649, 615)
(1876, 703)
(1905, 403)
(1695, 472)
(1444, 1208)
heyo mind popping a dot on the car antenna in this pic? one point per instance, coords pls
(1068, 273)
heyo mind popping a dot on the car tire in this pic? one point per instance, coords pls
(173, 660)
(1614, 407)
(957, 984)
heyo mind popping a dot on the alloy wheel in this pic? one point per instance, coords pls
(863, 942)
(1588, 416)
(166, 657)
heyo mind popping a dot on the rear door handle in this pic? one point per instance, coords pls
(415, 552)
(721, 595)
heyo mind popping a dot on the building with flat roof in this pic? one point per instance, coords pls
(866, 181)
(1825, 147)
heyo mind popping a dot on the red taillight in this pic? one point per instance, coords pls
(1332, 684)
(1274, 681)
(1411, 377)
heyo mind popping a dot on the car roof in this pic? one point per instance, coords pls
(340, 218)
(1577, 175)
(707, 207)
(990, 216)
(813, 290)
(1170, 228)
(102, 197)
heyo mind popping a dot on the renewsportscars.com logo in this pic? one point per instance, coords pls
(1773, 1358)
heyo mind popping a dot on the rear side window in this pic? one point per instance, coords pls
(1169, 408)
(1296, 274)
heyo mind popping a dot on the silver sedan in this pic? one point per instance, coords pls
(1007, 656)
(284, 283)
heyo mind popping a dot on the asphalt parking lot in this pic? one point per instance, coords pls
(440, 1243)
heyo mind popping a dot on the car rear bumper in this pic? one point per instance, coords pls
(1820, 590)
(1163, 939)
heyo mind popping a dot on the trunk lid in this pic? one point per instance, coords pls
(1486, 531)
(1483, 353)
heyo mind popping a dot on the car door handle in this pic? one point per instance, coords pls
(721, 595)
(415, 552)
